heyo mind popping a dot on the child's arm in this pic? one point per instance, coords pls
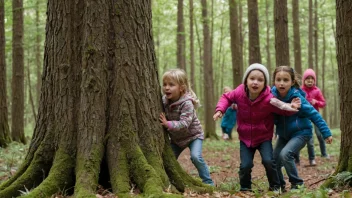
(283, 108)
(225, 101)
(186, 118)
(319, 100)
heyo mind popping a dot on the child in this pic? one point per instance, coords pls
(181, 120)
(293, 131)
(316, 98)
(228, 121)
(255, 119)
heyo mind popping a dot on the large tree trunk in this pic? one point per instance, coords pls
(181, 38)
(296, 36)
(344, 60)
(100, 103)
(236, 51)
(17, 84)
(253, 32)
(281, 33)
(4, 125)
(208, 77)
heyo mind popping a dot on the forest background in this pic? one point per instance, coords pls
(165, 32)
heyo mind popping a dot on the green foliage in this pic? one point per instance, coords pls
(343, 179)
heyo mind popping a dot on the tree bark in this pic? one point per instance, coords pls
(296, 36)
(236, 52)
(5, 138)
(344, 60)
(209, 106)
(316, 50)
(268, 24)
(38, 55)
(100, 103)
(281, 33)
(17, 84)
(181, 38)
(253, 32)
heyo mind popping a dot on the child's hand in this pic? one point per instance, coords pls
(217, 115)
(163, 119)
(313, 101)
(296, 103)
(328, 140)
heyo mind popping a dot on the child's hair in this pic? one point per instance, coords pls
(180, 77)
(294, 75)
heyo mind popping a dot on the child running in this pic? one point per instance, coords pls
(293, 131)
(255, 119)
(228, 121)
(181, 120)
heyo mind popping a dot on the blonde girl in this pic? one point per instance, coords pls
(181, 121)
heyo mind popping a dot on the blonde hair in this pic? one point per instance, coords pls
(180, 77)
(294, 75)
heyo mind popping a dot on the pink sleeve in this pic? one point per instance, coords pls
(227, 99)
(320, 99)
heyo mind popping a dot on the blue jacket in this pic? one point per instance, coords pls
(299, 123)
(229, 119)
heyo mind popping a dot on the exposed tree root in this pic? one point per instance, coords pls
(60, 177)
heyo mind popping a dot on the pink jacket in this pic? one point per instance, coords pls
(255, 119)
(313, 92)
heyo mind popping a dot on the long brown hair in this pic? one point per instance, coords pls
(294, 75)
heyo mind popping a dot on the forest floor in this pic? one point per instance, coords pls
(223, 159)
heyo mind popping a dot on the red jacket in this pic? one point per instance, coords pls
(313, 92)
(255, 119)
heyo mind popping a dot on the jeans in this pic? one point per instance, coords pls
(284, 155)
(196, 157)
(310, 145)
(247, 154)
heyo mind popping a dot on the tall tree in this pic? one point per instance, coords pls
(310, 34)
(236, 52)
(268, 24)
(323, 65)
(344, 61)
(316, 51)
(281, 33)
(191, 44)
(17, 84)
(296, 36)
(4, 125)
(209, 105)
(181, 38)
(97, 120)
(253, 32)
(38, 56)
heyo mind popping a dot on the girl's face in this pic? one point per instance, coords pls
(172, 89)
(255, 83)
(283, 82)
(309, 81)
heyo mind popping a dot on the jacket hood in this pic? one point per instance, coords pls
(308, 72)
(186, 96)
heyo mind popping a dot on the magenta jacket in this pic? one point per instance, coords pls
(313, 92)
(255, 119)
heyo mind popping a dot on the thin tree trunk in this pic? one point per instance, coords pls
(191, 40)
(316, 51)
(310, 35)
(296, 36)
(17, 110)
(181, 38)
(323, 71)
(5, 138)
(281, 33)
(37, 53)
(253, 32)
(208, 77)
(31, 100)
(268, 24)
(236, 52)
